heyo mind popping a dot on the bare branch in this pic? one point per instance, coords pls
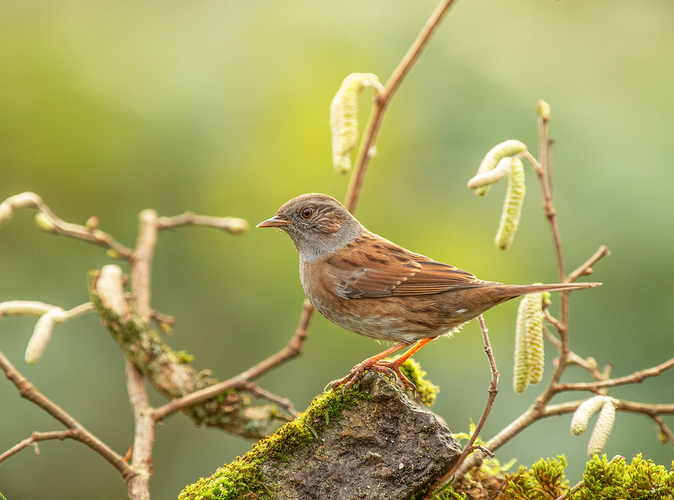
(292, 349)
(79, 433)
(230, 224)
(49, 222)
(586, 268)
(493, 391)
(272, 398)
(141, 458)
(366, 150)
(635, 378)
(34, 439)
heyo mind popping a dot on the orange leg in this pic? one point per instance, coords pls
(379, 364)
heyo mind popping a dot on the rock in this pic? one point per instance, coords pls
(371, 442)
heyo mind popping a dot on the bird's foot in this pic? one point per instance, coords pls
(385, 366)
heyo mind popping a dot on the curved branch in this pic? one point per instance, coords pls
(635, 378)
(52, 223)
(383, 99)
(75, 431)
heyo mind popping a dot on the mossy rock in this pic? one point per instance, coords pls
(370, 442)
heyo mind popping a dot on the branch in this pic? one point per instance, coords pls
(50, 223)
(75, 429)
(241, 381)
(230, 224)
(586, 268)
(170, 372)
(366, 150)
(493, 391)
(34, 439)
(141, 458)
(635, 378)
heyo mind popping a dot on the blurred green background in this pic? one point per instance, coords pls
(222, 108)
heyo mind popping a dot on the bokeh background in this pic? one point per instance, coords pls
(222, 108)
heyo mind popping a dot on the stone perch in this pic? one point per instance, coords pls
(372, 442)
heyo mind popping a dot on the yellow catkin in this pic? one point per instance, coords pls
(42, 334)
(581, 417)
(344, 117)
(603, 427)
(521, 369)
(534, 332)
(492, 176)
(529, 353)
(494, 156)
(512, 207)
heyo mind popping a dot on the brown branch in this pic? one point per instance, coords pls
(230, 224)
(52, 223)
(653, 411)
(141, 262)
(493, 391)
(586, 268)
(634, 378)
(589, 364)
(79, 433)
(143, 439)
(382, 101)
(292, 349)
(34, 439)
(272, 398)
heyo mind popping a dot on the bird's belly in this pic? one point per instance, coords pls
(389, 319)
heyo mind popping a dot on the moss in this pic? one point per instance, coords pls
(426, 389)
(603, 480)
(544, 481)
(244, 475)
(642, 480)
(183, 357)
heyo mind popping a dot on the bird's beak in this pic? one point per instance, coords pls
(276, 221)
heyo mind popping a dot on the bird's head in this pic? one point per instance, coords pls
(317, 223)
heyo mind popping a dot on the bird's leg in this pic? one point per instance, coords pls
(379, 364)
(394, 365)
(370, 364)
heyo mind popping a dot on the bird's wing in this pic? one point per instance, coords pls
(380, 268)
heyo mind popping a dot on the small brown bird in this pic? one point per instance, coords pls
(375, 288)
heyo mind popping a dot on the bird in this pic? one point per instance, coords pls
(370, 286)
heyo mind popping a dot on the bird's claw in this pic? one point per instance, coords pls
(384, 366)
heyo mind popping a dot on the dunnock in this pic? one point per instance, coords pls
(375, 288)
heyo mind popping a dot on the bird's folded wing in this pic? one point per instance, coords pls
(394, 272)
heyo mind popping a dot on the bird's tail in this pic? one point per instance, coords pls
(511, 291)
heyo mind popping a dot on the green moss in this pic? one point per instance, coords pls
(426, 389)
(642, 480)
(544, 481)
(603, 480)
(244, 475)
(183, 357)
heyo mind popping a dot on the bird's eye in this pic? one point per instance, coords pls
(307, 212)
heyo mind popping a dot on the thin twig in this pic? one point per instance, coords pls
(272, 398)
(232, 225)
(653, 411)
(564, 496)
(365, 152)
(588, 364)
(34, 439)
(52, 223)
(493, 391)
(79, 433)
(634, 378)
(586, 268)
(292, 349)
